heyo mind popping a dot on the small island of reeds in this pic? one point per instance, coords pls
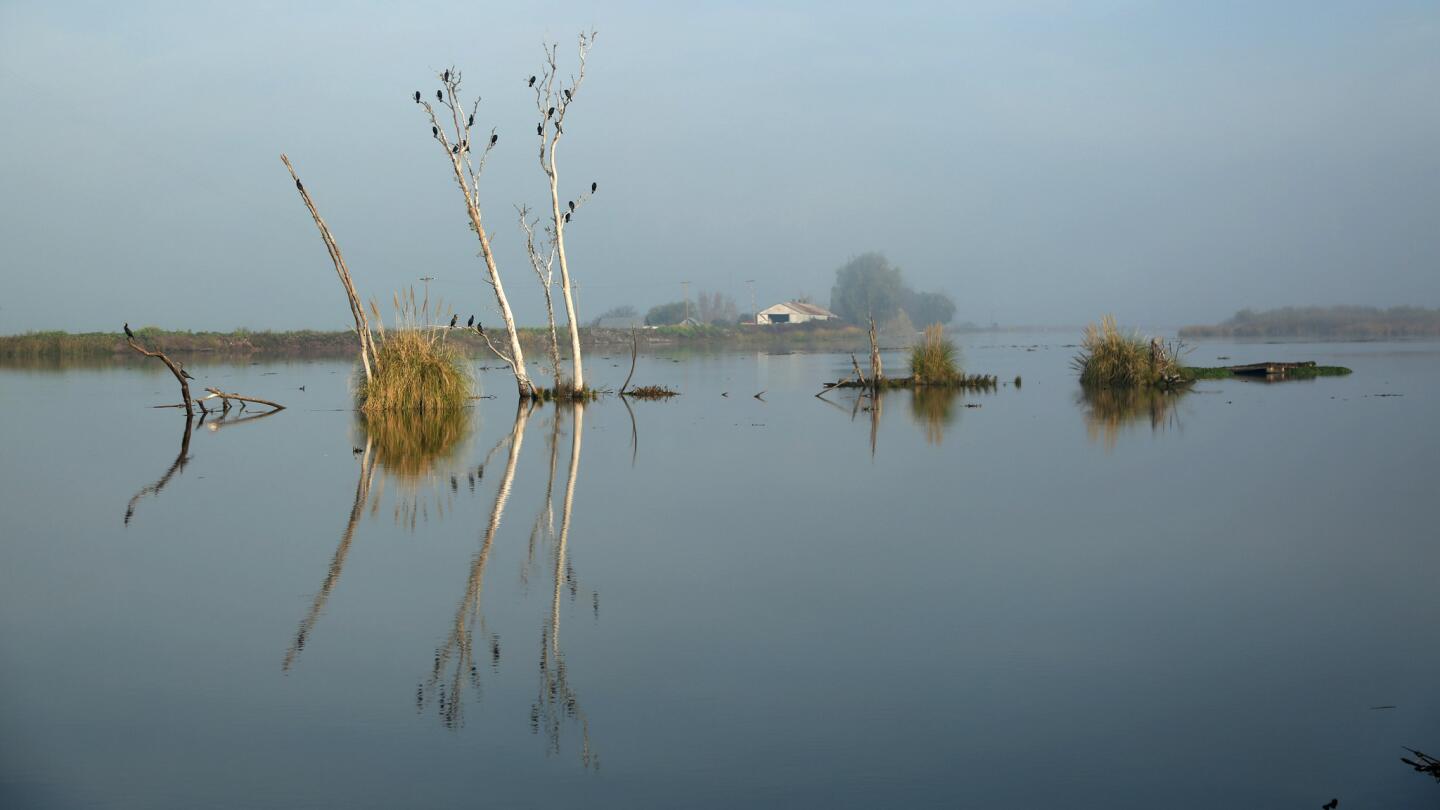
(1112, 358)
(415, 368)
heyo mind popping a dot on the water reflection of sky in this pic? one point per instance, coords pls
(763, 608)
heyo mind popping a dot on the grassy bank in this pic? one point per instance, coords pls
(342, 344)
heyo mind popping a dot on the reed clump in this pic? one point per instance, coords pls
(651, 392)
(416, 368)
(935, 360)
(1112, 358)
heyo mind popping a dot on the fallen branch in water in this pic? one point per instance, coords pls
(1426, 763)
(225, 398)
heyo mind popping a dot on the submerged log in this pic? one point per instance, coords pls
(225, 398)
(969, 382)
(1268, 369)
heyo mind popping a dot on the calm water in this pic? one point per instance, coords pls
(1040, 601)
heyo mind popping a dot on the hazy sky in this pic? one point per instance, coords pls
(1041, 162)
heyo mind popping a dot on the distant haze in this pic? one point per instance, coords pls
(1039, 162)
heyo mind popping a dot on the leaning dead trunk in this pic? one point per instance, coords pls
(357, 311)
(175, 369)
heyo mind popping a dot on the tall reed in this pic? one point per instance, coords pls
(1110, 357)
(416, 368)
(935, 359)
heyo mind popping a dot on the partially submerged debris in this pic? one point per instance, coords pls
(1306, 370)
(1423, 763)
(651, 392)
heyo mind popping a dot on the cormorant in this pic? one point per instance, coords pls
(455, 150)
(494, 138)
(446, 77)
(439, 97)
(480, 327)
(128, 333)
(567, 95)
(567, 216)
(531, 82)
(471, 122)
(185, 374)
(299, 185)
(417, 96)
(434, 132)
(594, 187)
(470, 322)
(453, 319)
(549, 112)
(540, 128)
(572, 205)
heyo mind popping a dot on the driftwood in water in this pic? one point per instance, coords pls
(174, 369)
(1268, 369)
(225, 398)
(972, 382)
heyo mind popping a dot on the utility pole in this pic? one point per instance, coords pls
(685, 286)
(754, 313)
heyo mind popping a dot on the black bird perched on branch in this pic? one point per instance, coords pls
(572, 205)
(434, 132)
(417, 96)
(438, 96)
(471, 122)
(185, 374)
(128, 333)
(494, 138)
(531, 83)
(470, 322)
(540, 128)
(480, 327)
(453, 320)
(549, 112)
(567, 95)
(567, 216)
(446, 77)
(299, 185)
(455, 150)
(594, 187)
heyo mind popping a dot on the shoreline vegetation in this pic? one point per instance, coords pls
(1332, 323)
(340, 344)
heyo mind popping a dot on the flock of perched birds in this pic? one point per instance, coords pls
(464, 144)
(469, 324)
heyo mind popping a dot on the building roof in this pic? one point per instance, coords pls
(807, 309)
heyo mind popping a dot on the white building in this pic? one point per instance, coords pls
(794, 312)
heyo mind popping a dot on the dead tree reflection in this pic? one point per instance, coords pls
(175, 467)
(556, 701)
(454, 665)
(337, 562)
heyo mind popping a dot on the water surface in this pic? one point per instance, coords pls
(1018, 599)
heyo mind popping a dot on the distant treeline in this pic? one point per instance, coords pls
(103, 346)
(1347, 323)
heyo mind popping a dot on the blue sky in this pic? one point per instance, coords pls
(1041, 162)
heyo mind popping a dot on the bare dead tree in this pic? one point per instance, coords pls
(357, 311)
(543, 263)
(453, 136)
(552, 101)
(175, 369)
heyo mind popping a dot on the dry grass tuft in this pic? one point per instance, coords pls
(416, 368)
(935, 359)
(1111, 358)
